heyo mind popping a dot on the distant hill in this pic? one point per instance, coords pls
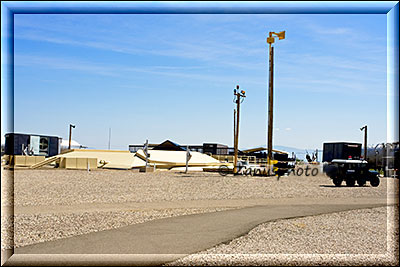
(300, 152)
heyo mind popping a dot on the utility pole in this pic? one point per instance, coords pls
(70, 135)
(270, 102)
(234, 128)
(109, 139)
(237, 100)
(365, 141)
(145, 152)
(270, 41)
(188, 156)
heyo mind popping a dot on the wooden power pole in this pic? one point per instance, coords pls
(270, 102)
(270, 41)
(234, 127)
(238, 94)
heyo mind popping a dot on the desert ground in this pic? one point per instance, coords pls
(51, 204)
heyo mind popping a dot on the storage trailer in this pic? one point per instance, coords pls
(341, 150)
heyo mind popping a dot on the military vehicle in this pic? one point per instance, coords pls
(351, 171)
(343, 162)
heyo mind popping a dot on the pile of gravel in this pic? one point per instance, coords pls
(359, 237)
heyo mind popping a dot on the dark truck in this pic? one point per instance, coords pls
(343, 162)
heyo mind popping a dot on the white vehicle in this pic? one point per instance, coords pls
(64, 144)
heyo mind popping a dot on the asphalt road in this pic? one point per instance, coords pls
(160, 241)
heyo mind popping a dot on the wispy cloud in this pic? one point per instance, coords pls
(317, 29)
(346, 37)
(207, 51)
(338, 68)
(125, 71)
(110, 46)
(221, 45)
(63, 64)
(333, 73)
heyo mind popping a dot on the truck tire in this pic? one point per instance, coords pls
(223, 170)
(374, 181)
(350, 182)
(361, 181)
(337, 181)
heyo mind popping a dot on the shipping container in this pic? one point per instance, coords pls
(341, 150)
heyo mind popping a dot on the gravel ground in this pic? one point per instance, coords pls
(30, 229)
(67, 187)
(329, 239)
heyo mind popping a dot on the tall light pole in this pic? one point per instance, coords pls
(365, 141)
(238, 94)
(109, 138)
(70, 135)
(270, 41)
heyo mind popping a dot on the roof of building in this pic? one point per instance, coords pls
(169, 145)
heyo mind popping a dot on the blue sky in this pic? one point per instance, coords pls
(172, 77)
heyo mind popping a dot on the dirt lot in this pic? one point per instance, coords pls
(69, 187)
(52, 204)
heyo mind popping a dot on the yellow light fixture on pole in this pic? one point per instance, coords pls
(281, 35)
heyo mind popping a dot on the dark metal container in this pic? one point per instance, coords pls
(341, 150)
(31, 144)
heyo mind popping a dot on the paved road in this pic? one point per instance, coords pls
(160, 241)
(187, 204)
